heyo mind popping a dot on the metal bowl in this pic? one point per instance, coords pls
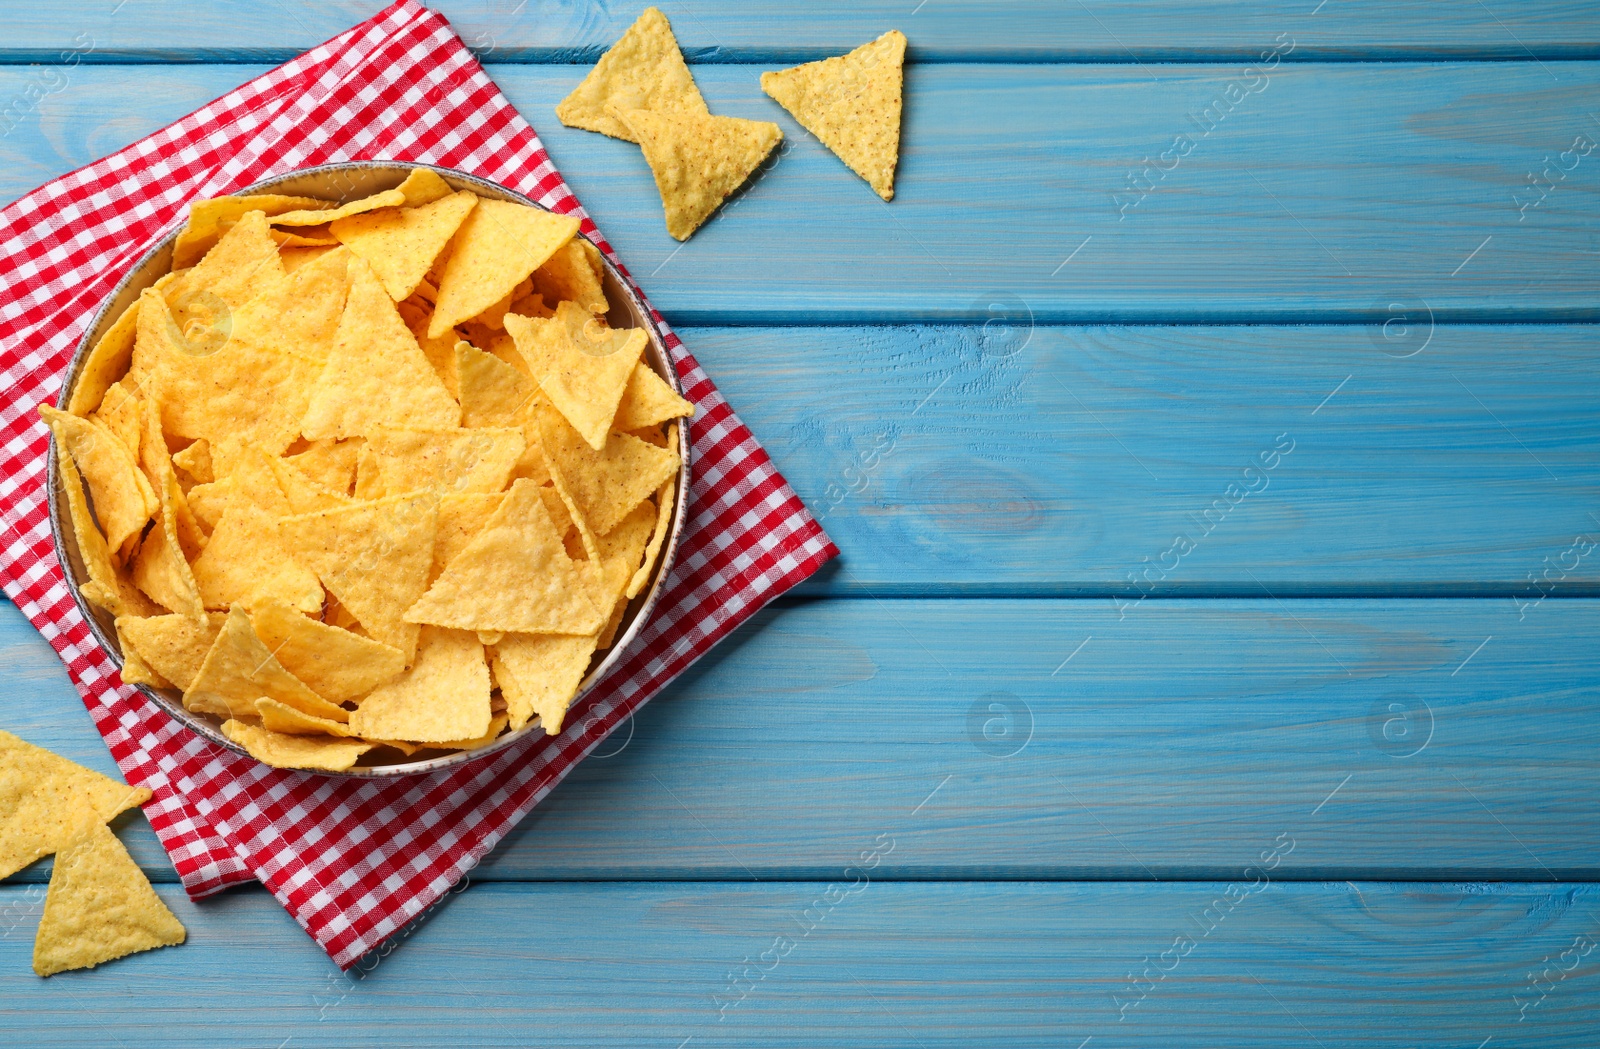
(342, 182)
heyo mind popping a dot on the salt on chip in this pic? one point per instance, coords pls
(582, 366)
(173, 646)
(514, 576)
(664, 508)
(245, 564)
(99, 907)
(643, 70)
(539, 674)
(207, 219)
(852, 103)
(334, 663)
(497, 246)
(603, 486)
(284, 751)
(105, 586)
(648, 401)
(444, 696)
(374, 557)
(401, 244)
(491, 392)
(376, 375)
(389, 198)
(240, 669)
(459, 460)
(43, 797)
(123, 498)
(573, 274)
(698, 160)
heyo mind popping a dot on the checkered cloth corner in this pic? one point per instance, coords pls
(352, 860)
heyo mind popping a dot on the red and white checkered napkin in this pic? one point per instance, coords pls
(352, 860)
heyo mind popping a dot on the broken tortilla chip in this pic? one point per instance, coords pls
(643, 70)
(698, 160)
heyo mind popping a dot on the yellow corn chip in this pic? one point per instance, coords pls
(105, 586)
(334, 663)
(497, 247)
(100, 906)
(157, 466)
(173, 646)
(698, 160)
(493, 318)
(135, 671)
(851, 103)
(119, 412)
(206, 219)
(581, 365)
(297, 258)
(572, 274)
(621, 551)
(422, 187)
(123, 499)
(284, 751)
(304, 495)
(282, 718)
(243, 265)
(513, 576)
(445, 696)
(330, 464)
(303, 237)
(240, 669)
(539, 675)
(401, 244)
(643, 70)
(161, 568)
(195, 460)
(664, 515)
(491, 392)
(389, 198)
(648, 401)
(497, 725)
(374, 557)
(459, 460)
(43, 798)
(441, 352)
(605, 486)
(106, 363)
(560, 513)
(377, 375)
(461, 517)
(369, 475)
(245, 564)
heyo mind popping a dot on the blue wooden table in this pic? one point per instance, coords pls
(1211, 429)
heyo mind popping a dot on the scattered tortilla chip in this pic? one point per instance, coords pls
(422, 187)
(43, 797)
(498, 245)
(444, 696)
(206, 219)
(458, 460)
(280, 717)
(334, 663)
(245, 564)
(330, 464)
(240, 669)
(648, 401)
(123, 498)
(582, 366)
(514, 576)
(173, 646)
(491, 392)
(295, 752)
(104, 586)
(119, 412)
(195, 460)
(100, 906)
(539, 675)
(851, 103)
(604, 486)
(643, 70)
(374, 557)
(401, 244)
(573, 274)
(376, 375)
(461, 518)
(664, 517)
(698, 160)
(389, 198)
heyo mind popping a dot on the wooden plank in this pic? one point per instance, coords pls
(1012, 30)
(907, 965)
(1053, 739)
(1291, 209)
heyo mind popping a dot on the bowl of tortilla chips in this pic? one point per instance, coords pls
(369, 470)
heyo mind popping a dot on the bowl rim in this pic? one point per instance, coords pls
(635, 618)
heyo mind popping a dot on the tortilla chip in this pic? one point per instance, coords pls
(206, 219)
(389, 198)
(283, 751)
(330, 464)
(648, 401)
(461, 518)
(100, 906)
(157, 466)
(643, 70)
(539, 676)
(161, 568)
(135, 671)
(573, 274)
(175, 647)
(298, 258)
(245, 564)
(104, 586)
(459, 460)
(698, 160)
(582, 366)
(444, 696)
(119, 412)
(303, 237)
(369, 475)
(43, 796)
(280, 717)
(620, 553)
(491, 392)
(497, 725)
(243, 265)
(376, 375)
(422, 187)
(374, 557)
(304, 495)
(107, 362)
(240, 669)
(123, 499)
(334, 663)
(401, 244)
(493, 318)
(513, 576)
(497, 247)
(851, 103)
(441, 352)
(195, 460)
(603, 486)
(664, 517)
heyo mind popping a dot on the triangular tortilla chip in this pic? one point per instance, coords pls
(303, 237)
(461, 518)
(389, 198)
(444, 696)
(851, 103)
(493, 318)
(498, 245)
(621, 552)
(135, 671)
(582, 366)
(282, 718)
(604, 486)
(105, 586)
(497, 725)
(123, 499)
(161, 568)
(460, 460)
(173, 646)
(422, 187)
(107, 362)
(156, 463)
(401, 244)
(573, 274)
(514, 575)
(643, 70)
(43, 799)
(369, 475)
(441, 352)
(245, 564)
(240, 669)
(295, 752)
(492, 392)
(243, 265)
(195, 460)
(100, 906)
(119, 412)
(297, 258)
(334, 663)
(648, 401)
(664, 517)
(698, 160)
(539, 675)
(374, 557)
(329, 463)
(377, 375)
(207, 217)
(304, 495)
